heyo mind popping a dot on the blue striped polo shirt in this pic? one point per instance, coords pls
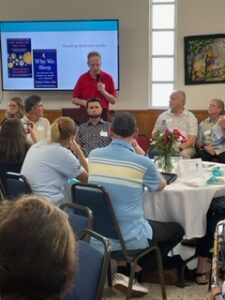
(124, 174)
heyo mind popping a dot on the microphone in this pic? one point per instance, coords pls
(98, 77)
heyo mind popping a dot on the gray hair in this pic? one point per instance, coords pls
(220, 103)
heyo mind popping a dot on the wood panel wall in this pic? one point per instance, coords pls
(51, 115)
(145, 118)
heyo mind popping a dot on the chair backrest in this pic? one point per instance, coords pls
(16, 184)
(143, 141)
(92, 267)
(79, 115)
(97, 199)
(79, 216)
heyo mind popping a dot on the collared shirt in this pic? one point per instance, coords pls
(48, 166)
(92, 136)
(41, 127)
(124, 174)
(86, 87)
(207, 136)
(186, 123)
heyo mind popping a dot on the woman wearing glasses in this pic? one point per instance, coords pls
(15, 108)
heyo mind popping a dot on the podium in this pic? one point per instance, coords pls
(79, 115)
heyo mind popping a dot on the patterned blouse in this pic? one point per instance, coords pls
(207, 135)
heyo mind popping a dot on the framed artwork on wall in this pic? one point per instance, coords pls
(204, 59)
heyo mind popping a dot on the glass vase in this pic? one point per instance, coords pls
(167, 163)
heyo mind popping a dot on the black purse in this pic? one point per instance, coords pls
(218, 205)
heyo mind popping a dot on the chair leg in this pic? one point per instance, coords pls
(131, 279)
(181, 284)
(210, 278)
(109, 277)
(160, 271)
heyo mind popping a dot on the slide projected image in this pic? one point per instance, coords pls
(51, 55)
(19, 58)
(45, 68)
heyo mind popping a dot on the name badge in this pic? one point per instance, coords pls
(103, 133)
(207, 132)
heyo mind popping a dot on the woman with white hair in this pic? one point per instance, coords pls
(211, 137)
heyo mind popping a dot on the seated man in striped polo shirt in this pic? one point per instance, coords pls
(124, 173)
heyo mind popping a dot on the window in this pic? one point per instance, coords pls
(162, 51)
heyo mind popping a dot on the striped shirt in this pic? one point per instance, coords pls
(124, 174)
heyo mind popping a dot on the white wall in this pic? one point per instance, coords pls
(194, 17)
(133, 16)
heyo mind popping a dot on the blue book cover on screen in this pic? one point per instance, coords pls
(45, 68)
(19, 58)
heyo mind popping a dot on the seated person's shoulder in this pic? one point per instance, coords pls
(45, 120)
(165, 113)
(191, 114)
(145, 161)
(106, 124)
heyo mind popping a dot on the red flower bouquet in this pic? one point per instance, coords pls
(166, 145)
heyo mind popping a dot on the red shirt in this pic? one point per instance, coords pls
(86, 87)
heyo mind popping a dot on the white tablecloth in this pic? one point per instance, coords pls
(185, 205)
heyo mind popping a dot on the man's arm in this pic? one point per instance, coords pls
(109, 97)
(79, 101)
(153, 180)
(162, 184)
(192, 133)
(78, 152)
(160, 125)
(199, 141)
(77, 92)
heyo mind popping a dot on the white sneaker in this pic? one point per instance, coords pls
(121, 282)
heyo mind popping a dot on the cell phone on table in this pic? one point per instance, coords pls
(169, 177)
(27, 126)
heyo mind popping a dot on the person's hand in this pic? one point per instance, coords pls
(177, 148)
(209, 149)
(74, 146)
(137, 147)
(32, 132)
(77, 151)
(153, 137)
(101, 87)
(215, 292)
(199, 146)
